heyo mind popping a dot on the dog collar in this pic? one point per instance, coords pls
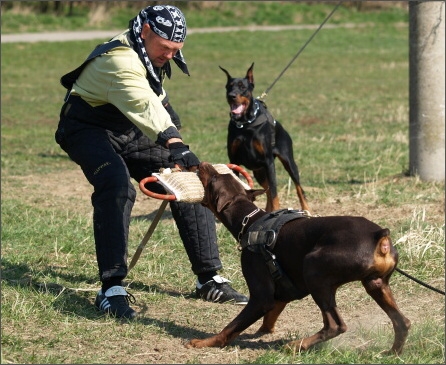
(255, 112)
(245, 222)
(253, 118)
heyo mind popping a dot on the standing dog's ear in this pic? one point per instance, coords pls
(250, 75)
(226, 72)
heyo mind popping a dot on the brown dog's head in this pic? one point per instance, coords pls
(239, 93)
(220, 190)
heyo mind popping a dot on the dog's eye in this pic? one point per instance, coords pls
(241, 86)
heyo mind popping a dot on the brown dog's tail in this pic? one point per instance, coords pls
(385, 257)
(384, 242)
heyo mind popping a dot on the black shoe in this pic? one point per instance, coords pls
(115, 301)
(218, 290)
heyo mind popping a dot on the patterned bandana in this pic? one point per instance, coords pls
(169, 23)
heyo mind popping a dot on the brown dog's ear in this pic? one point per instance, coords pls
(250, 74)
(222, 203)
(252, 193)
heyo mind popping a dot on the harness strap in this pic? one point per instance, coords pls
(261, 237)
(68, 79)
(264, 231)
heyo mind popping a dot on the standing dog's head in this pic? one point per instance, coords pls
(239, 93)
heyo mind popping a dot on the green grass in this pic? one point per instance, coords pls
(19, 17)
(344, 102)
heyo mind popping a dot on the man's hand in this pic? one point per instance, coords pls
(181, 155)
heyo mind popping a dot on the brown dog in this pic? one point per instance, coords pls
(308, 255)
(255, 139)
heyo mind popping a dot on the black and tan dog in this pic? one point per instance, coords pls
(255, 139)
(307, 256)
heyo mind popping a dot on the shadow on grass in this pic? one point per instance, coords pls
(69, 300)
(79, 303)
(187, 333)
(150, 217)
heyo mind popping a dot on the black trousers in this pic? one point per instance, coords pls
(109, 160)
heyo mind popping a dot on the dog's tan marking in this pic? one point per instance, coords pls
(383, 261)
(259, 147)
(235, 146)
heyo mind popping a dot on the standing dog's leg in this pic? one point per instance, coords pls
(266, 177)
(291, 168)
(284, 151)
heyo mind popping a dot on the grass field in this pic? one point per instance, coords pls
(344, 102)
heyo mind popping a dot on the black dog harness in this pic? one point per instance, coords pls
(261, 237)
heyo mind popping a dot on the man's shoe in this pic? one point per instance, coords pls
(218, 290)
(115, 301)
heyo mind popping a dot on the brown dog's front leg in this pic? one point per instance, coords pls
(219, 340)
(250, 314)
(270, 318)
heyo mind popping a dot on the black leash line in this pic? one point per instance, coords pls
(419, 282)
(265, 93)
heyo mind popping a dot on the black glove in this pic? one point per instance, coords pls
(181, 155)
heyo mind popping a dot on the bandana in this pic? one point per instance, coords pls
(169, 23)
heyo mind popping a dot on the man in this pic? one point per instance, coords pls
(117, 124)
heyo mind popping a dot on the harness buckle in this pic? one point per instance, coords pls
(272, 239)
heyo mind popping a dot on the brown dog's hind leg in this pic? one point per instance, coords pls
(333, 326)
(380, 291)
(270, 318)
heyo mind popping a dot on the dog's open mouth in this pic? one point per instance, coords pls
(237, 109)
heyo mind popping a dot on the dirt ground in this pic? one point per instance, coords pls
(71, 189)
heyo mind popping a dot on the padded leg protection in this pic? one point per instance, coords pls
(196, 225)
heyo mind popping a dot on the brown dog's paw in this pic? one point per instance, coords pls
(214, 341)
(189, 344)
(195, 343)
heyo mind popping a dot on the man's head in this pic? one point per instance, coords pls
(163, 33)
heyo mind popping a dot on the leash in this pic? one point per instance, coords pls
(419, 281)
(265, 93)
